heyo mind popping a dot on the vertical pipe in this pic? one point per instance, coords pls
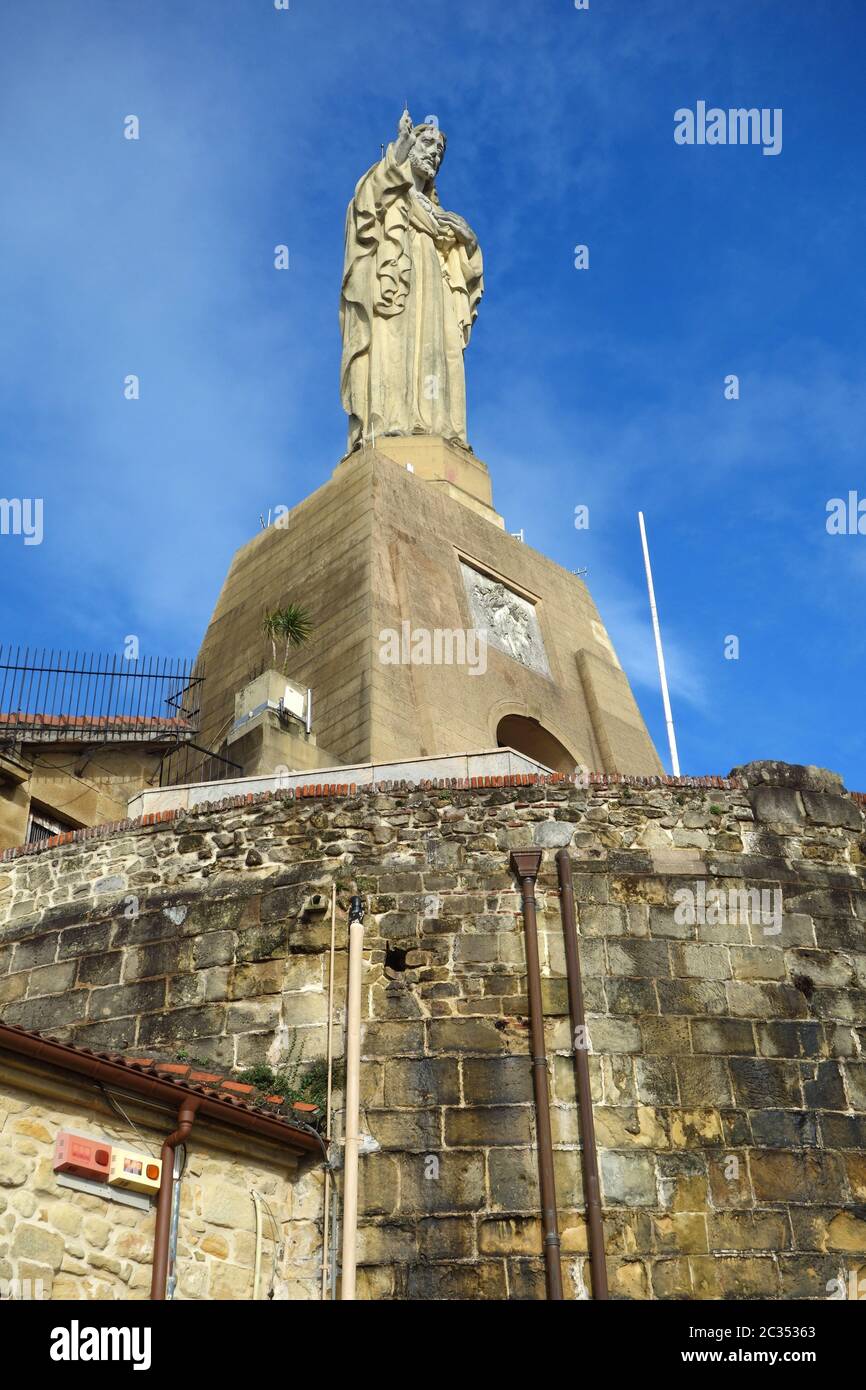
(171, 1283)
(330, 1054)
(185, 1117)
(334, 1247)
(257, 1269)
(580, 1050)
(669, 720)
(353, 1098)
(525, 864)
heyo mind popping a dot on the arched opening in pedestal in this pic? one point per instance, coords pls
(531, 738)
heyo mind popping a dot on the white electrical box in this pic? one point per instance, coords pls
(137, 1172)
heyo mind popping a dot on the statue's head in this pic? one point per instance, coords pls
(427, 152)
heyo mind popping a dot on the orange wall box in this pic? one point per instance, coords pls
(84, 1158)
(135, 1171)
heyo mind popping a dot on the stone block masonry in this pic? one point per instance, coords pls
(728, 1062)
(60, 1243)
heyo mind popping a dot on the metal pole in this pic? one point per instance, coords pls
(669, 720)
(334, 1242)
(330, 1050)
(171, 1284)
(185, 1118)
(353, 1098)
(525, 864)
(580, 1049)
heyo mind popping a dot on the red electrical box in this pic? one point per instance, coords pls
(84, 1158)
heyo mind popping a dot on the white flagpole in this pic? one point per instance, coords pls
(669, 720)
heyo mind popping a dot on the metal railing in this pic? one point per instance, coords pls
(192, 763)
(54, 696)
(81, 697)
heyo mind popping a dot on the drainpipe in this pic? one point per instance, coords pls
(171, 1282)
(525, 864)
(257, 1269)
(353, 1098)
(580, 1048)
(185, 1116)
(333, 1274)
(325, 1227)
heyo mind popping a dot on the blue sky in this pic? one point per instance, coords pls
(602, 387)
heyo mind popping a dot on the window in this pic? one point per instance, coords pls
(41, 825)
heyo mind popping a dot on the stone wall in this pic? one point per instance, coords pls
(80, 1246)
(727, 1056)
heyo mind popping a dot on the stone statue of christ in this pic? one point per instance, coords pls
(412, 280)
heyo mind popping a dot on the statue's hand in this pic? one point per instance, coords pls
(460, 227)
(404, 138)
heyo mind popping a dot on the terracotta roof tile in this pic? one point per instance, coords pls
(220, 1086)
(99, 721)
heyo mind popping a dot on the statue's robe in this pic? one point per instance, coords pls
(409, 300)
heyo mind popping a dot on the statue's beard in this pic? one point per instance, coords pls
(426, 169)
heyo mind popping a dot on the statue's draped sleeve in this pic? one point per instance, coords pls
(376, 268)
(465, 274)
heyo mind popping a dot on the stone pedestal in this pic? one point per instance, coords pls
(400, 571)
(450, 468)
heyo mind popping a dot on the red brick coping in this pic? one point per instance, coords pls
(330, 790)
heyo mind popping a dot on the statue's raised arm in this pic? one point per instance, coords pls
(412, 281)
(404, 138)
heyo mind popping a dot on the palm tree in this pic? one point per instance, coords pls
(291, 624)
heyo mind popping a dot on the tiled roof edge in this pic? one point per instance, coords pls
(221, 1086)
